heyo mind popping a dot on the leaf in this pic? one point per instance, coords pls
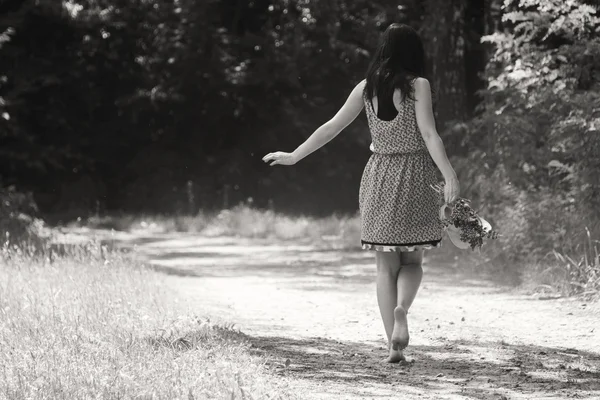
(561, 167)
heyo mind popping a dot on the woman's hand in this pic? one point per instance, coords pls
(451, 190)
(280, 158)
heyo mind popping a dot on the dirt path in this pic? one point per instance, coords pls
(470, 339)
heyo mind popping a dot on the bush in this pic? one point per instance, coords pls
(534, 149)
(18, 222)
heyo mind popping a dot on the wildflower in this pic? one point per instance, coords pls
(464, 226)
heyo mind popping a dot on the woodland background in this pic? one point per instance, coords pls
(167, 106)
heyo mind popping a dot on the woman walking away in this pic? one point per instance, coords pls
(399, 209)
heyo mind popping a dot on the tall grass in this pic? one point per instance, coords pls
(575, 272)
(90, 325)
(245, 221)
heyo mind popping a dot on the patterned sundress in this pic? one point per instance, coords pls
(398, 207)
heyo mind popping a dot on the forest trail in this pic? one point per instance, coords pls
(470, 338)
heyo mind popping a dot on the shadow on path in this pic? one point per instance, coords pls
(453, 366)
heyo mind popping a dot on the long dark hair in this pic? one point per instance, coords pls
(398, 60)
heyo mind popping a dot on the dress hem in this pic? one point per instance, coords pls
(401, 247)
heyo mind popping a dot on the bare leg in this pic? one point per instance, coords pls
(409, 280)
(388, 267)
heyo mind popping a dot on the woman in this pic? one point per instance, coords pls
(399, 209)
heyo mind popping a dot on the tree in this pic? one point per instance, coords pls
(535, 148)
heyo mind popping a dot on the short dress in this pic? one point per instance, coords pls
(399, 209)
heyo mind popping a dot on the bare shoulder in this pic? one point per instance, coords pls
(422, 87)
(359, 89)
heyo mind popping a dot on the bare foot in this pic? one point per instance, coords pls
(400, 333)
(395, 356)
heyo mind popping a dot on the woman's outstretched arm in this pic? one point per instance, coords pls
(426, 123)
(326, 132)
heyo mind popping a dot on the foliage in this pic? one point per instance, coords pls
(18, 219)
(199, 80)
(535, 146)
(126, 102)
(541, 108)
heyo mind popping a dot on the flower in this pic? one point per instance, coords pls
(462, 223)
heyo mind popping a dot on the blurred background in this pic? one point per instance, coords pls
(167, 106)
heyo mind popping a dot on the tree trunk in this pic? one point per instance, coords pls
(474, 53)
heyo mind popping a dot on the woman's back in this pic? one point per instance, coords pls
(398, 135)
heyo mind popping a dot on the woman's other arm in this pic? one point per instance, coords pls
(326, 132)
(426, 123)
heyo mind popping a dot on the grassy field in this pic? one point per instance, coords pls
(94, 325)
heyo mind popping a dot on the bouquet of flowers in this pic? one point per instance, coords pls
(464, 227)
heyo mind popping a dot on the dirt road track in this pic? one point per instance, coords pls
(470, 339)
